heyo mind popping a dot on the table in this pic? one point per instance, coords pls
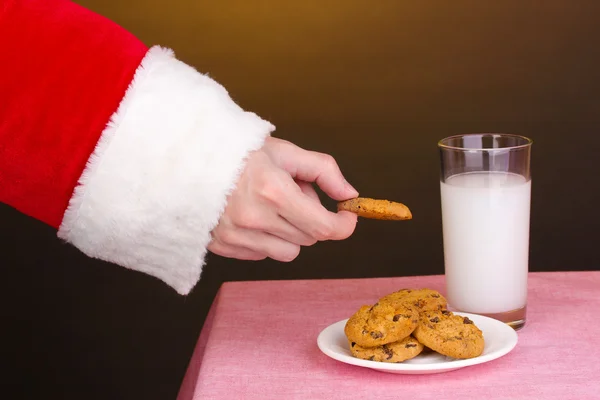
(259, 342)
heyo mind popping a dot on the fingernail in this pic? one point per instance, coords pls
(350, 189)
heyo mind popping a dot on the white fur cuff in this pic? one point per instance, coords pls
(157, 182)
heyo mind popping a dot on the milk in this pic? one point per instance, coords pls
(486, 240)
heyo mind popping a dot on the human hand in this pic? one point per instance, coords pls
(274, 209)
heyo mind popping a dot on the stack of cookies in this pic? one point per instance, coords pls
(400, 325)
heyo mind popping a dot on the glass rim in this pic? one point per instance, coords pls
(527, 142)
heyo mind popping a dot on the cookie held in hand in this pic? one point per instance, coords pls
(376, 209)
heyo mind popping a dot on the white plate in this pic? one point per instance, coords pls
(500, 339)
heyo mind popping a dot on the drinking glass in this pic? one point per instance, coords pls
(485, 188)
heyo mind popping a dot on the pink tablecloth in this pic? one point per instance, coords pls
(260, 342)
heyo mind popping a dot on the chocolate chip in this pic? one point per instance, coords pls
(388, 352)
(409, 345)
(372, 358)
(466, 320)
(419, 303)
(446, 312)
(353, 344)
(376, 335)
(396, 318)
(436, 319)
(436, 296)
(364, 332)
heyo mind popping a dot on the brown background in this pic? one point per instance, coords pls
(376, 84)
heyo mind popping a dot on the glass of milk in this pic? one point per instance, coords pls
(486, 191)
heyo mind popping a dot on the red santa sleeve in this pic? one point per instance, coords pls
(127, 151)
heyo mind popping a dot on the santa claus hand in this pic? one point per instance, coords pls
(274, 209)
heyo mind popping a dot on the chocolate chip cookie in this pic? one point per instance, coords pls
(395, 352)
(376, 209)
(381, 324)
(422, 299)
(449, 334)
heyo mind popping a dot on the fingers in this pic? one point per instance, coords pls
(258, 242)
(288, 232)
(228, 251)
(315, 220)
(278, 226)
(308, 190)
(304, 211)
(311, 166)
(266, 219)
